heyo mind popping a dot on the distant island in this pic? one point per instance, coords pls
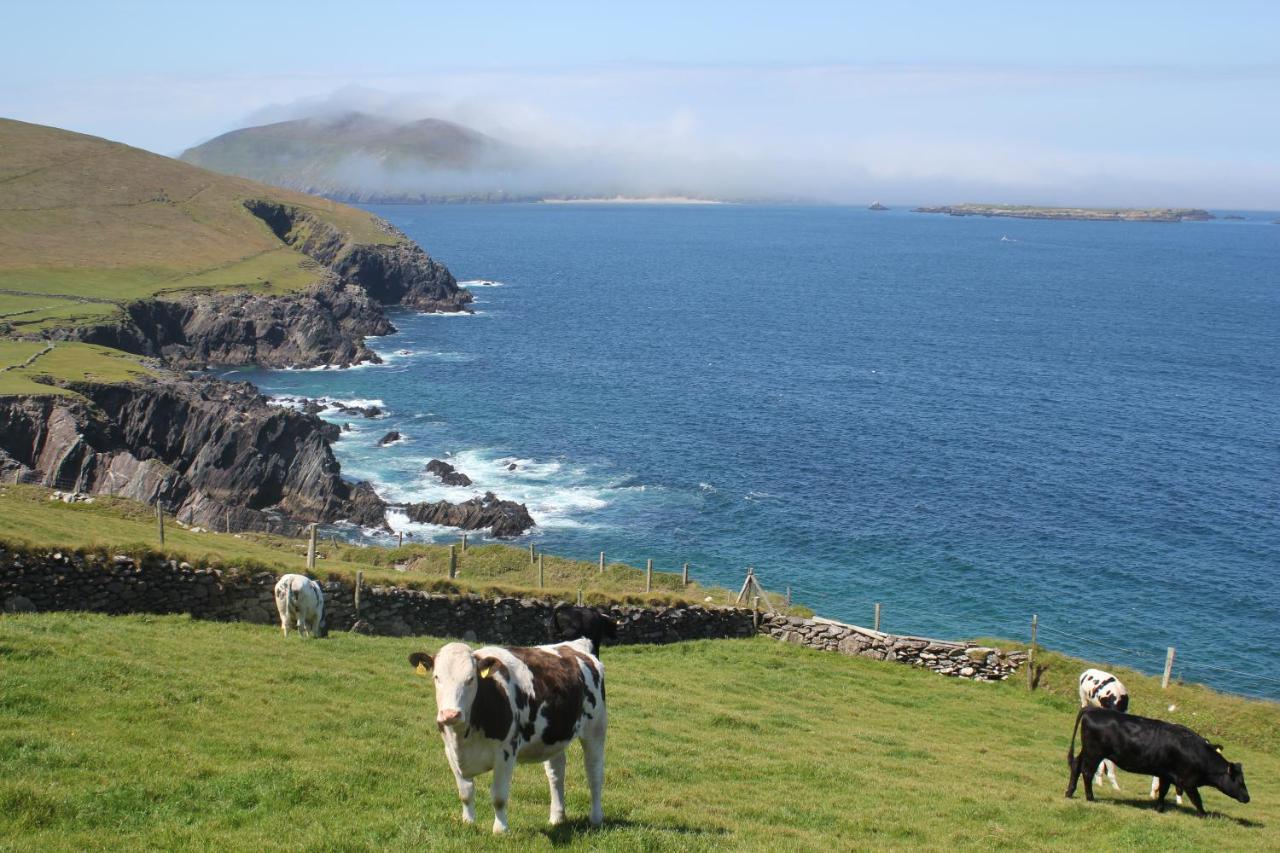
(875, 205)
(622, 199)
(1023, 211)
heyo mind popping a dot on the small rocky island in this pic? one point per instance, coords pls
(1093, 214)
(875, 205)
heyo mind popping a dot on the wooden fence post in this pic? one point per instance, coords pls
(541, 577)
(1031, 654)
(453, 562)
(464, 543)
(359, 583)
(755, 612)
(533, 555)
(400, 539)
(648, 576)
(226, 516)
(877, 622)
(311, 547)
(684, 575)
(788, 598)
(579, 596)
(160, 523)
(602, 562)
(1168, 669)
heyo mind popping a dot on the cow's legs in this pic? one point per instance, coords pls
(555, 776)
(502, 771)
(1193, 794)
(1159, 788)
(1088, 766)
(1108, 769)
(593, 759)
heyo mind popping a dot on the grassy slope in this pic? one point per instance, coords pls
(70, 362)
(115, 525)
(86, 224)
(135, 732)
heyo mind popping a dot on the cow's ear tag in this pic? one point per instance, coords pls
(421, 669)
(484, 673)
(1218, 750)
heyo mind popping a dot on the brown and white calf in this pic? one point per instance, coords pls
(497, 707)
(300, 601)
(1101, 689)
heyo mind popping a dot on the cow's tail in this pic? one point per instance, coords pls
(1071, 750)
(290, 605)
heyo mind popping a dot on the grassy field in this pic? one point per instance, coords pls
(115, 525)
(87, 225)
(149, 732)
(66, 362)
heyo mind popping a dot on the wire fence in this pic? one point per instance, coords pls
(1186, 664)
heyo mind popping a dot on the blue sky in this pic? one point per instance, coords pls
(1106, 103)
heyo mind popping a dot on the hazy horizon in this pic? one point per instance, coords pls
(1140, 106)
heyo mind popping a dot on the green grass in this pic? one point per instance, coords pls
(87, 225)
(66, 362)
(116, 525)
(162, 733)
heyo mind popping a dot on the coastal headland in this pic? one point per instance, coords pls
(122, 271)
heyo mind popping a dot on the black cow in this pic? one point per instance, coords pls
(570, 623)
(1174, 754)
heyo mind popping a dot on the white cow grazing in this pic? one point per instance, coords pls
(497, 707)
(1101, 689)
(300, 601)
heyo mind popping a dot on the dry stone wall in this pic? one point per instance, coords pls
(962, 660)
(121, 584)
(118, 584)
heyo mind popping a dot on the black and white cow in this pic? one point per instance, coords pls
(300, 601)
(497, 707)
(570, 623)
(1100, 689)
(1173, 753)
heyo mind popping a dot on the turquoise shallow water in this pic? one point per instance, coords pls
(968, 420)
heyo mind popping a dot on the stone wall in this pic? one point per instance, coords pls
(962, 660)
(122, 584)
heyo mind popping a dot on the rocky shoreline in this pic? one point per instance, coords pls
(219, 454)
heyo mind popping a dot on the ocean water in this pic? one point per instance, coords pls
(967, 420)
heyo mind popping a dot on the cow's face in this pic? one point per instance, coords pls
(456, 672)
(1231, 782)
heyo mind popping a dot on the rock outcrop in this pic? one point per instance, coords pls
(448, 475)
(502, 518)
(390, 438)
(323, 325)
(211, 451)
(392, 274)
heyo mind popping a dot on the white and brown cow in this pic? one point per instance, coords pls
(300, 601)
(497, 707)
(1100, 689)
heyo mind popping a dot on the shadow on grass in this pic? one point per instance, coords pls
(1171, 808)
(572, 830)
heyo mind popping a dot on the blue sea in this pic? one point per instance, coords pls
(968, 420)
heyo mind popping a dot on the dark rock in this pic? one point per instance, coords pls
(503, 518)
(18, 604)
(511, 467)
(389, 438)
(447, 473)
(206, 447)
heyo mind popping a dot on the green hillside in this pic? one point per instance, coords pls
(131, 733)
(87, 224)
(349, 154)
